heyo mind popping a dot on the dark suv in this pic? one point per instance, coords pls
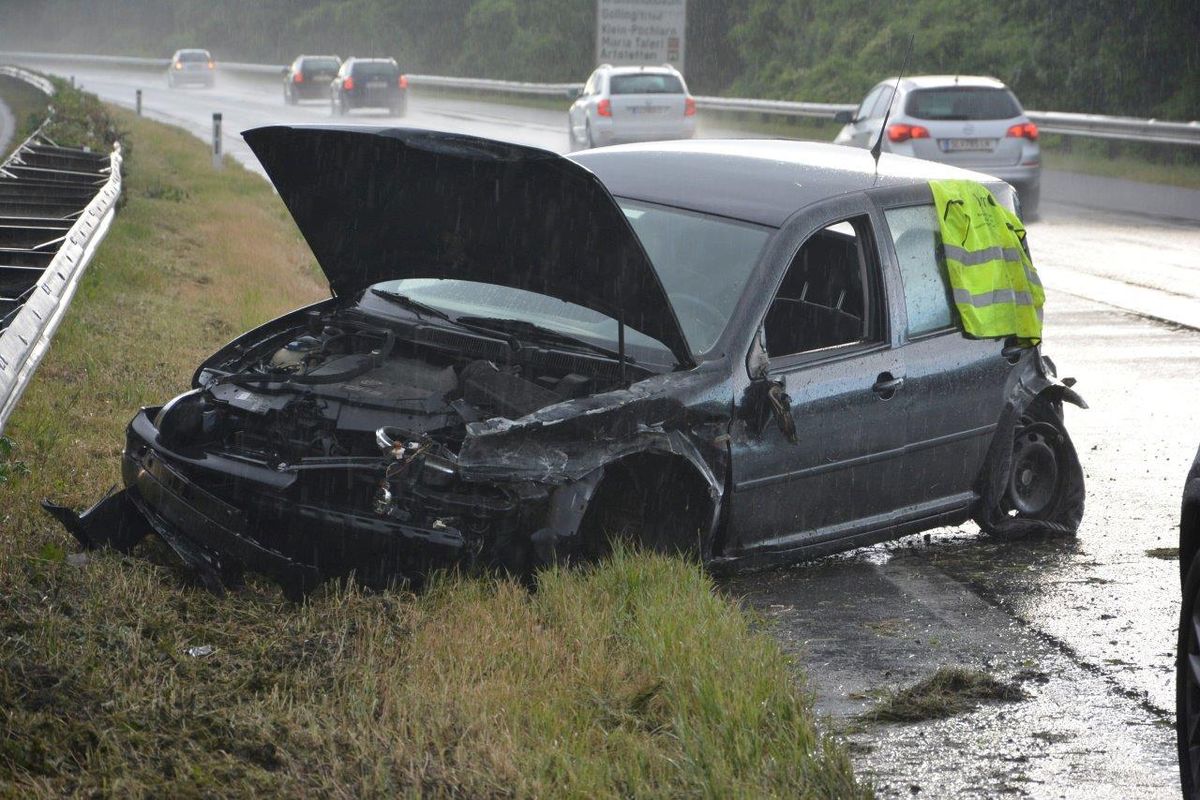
(308, 77)
(369, 83)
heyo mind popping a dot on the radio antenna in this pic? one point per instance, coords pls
(877, 148)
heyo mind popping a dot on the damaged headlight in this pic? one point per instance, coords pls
(187, 420)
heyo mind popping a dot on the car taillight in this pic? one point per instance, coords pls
(211, 65)
(299, 78)
(689, 107)
(1026, 130)
(178, 65)
(348, 84)
(604, 108)
(902, 133)
(403, 81)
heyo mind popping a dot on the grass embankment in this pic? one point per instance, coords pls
(634, 678)
(28, 107)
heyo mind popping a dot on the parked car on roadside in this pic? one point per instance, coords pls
(191, 66)
(631, 104)
(1187, 664)
(369, 83)
(962, 120)
(308, 78)
(526, 355)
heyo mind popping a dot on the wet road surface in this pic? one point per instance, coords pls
(1086, 624)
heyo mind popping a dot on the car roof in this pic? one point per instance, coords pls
(947, 81)
(763, 181)
(357, 60)
(331, 57)
(661, 69)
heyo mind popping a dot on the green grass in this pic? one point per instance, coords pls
(1170, 165)
(631, 679)
(28, 107)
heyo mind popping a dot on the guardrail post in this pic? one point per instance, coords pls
(216, 151)
(139, 102)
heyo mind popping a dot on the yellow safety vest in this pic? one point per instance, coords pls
(996, 289)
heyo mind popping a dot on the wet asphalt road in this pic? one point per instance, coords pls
(1086, 624)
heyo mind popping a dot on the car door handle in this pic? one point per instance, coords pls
(887, 384)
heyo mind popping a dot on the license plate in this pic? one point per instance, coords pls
(949, 145)
(649, 109)
(377, 84)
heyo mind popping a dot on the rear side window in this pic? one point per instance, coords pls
(962, 103)
(926, 292)
(645, 84)
(376, 70)
(321, 63)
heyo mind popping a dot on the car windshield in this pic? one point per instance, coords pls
(652, 83)
(962, 103)
(321, 63)
(702, 261)
(189, 56)
(377, 69)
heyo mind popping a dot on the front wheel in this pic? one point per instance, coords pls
(1039, 485)
(1187, 684)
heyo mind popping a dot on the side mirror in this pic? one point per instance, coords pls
(285, 71)
(843, 117)
(574, 94)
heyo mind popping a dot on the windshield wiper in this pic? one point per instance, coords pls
(528, 330)
(412, 305)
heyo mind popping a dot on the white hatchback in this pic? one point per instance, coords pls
(631, 104)
(963, 120)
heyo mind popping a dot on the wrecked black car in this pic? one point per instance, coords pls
(741, 350)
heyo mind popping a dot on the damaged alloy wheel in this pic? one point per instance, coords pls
(1043, 480)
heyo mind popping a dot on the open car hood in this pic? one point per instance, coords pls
(379, 204)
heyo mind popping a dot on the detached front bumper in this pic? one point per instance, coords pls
(267, 528)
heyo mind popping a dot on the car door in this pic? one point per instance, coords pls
(830, 351)
(956, 385)
(578, 112)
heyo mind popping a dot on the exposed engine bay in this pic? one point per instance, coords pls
(369, 416)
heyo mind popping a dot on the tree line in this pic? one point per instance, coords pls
(1135, 57)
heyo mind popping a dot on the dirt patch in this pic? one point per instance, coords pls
(1165, 553)
(950, 691)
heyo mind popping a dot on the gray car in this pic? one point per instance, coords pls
(525, 355)
(966, 121)
(191, 66)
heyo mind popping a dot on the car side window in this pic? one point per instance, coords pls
(825, 299)
(881, 104)
(868, 103)
(926, 291)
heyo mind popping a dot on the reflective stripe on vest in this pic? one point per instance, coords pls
(996, 289)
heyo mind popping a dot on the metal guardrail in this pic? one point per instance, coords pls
(56, 205)
(38, 82)
(1069, 124)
